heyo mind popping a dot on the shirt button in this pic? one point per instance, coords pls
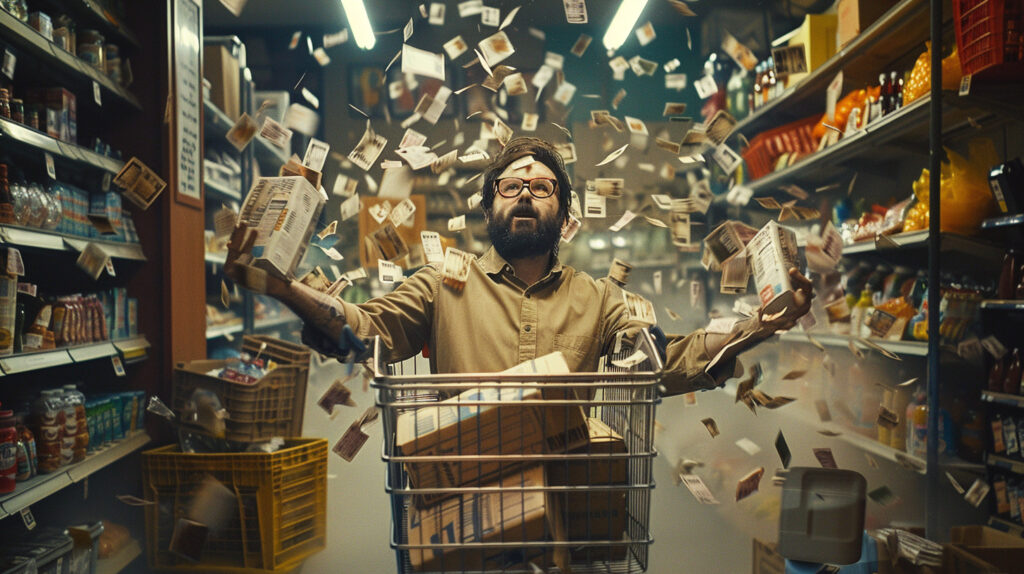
(527, 328)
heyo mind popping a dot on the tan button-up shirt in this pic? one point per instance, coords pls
(497, 321)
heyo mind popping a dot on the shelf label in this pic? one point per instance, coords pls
(118, 365)
(965, 84)
(35, 361)
(110, 267)
(96, 93)
(50, 169)
(27, 519)
(9, 61)
(92, 352)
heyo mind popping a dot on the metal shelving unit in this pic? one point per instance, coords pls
(17, 135)
(28, 238)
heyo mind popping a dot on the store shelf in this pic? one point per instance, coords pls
(39, 360)
(103, 19)
(1003, 399)
(909, 240)
(1006, 526)
(39, 239)
(77, 71)
(899, 31)
(1003, 304)
(120, 560)
(222, 192)
(1012, 465)
(1004, 221)
(14, 134)
(32, 491)
(910, 348)
(133, 349)
(959, 251)
(273, 322)
(217, 123)
(222, 330)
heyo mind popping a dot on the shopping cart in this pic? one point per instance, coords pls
(492, 472)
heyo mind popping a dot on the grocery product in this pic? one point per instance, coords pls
(8, 451)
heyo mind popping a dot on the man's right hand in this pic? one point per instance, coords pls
(237, 269)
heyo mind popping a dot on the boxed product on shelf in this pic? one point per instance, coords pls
(509, 516)
(41, 22)
(224, 72)
(61, 112)
(105, 211)
(281, 513)
(817, 34)
(854, 16)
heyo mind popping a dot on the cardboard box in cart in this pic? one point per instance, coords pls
(452, 427)
(772, 253)
(509, 516)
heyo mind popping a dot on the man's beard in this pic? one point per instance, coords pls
(519, 243)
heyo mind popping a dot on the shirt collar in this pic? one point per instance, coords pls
(493, 264)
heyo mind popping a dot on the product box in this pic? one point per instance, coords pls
(61, 117)
(772, 253)
(510, 516)
(41, 22)
(105, 212)
(818, 36)
(766, 559)
(284, 212)
(132, 315)
(450, 429)
(854, 16)
(594, 514)
(224, 72)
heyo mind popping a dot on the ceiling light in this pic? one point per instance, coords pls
(355, 11)
(597, 243)
(619, 241)
(623, 22)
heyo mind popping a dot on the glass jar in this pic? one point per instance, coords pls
(32, 116)
(38, 206)
(112, 54)
(5, 103)
(54, 213)
(21, 202)
(90, 49)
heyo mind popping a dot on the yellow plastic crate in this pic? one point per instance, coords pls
(282, 502)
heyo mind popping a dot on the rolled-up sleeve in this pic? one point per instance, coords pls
(402, 318)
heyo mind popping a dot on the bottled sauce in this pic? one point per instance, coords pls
(67, 439)
(6, 201)
(897, 90)
(8, 451)
(885, 94)
(972, 436)
(898, 434)
(27, 462)
(1008, 275)
(48, 414)
(5, 103)
(860, 313)
(1018, 292)
(996, 376)
(77, 400)
(18, 110)
(1011, 381)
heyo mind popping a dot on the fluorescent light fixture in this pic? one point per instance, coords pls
(619, 241)
(623, 22)
(355, 11)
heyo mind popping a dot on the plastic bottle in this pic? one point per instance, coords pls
(77, 400)
(1011, 381)
(859, 314)
(1008, 275)
(28, 467)
(8, 451)
(917, 425)
(884, 432)
(972, 436)
(996, 376)
(67, 439)
(48, 417)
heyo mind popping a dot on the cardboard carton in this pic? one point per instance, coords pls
(772, 252)
(284, 211)
(597, 514)
(452, 428)
(817, 34)
(513, 515)
(854, 16)
(224, 73)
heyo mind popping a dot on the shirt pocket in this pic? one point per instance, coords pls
(579, 347)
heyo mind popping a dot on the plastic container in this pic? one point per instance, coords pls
(766, 148)
(76, 399)
(983, 28)
(48, 425)
(273, 406)
(281, 517)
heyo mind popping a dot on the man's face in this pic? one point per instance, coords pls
(524, 225)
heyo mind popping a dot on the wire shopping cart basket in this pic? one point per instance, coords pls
(521, 471)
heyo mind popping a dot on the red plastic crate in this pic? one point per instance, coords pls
(766, 148)
(982, 28)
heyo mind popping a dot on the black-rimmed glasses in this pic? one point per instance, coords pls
(540, 187)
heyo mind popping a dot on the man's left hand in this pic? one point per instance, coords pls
(802, 295)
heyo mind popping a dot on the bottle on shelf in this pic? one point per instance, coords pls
(898, 435)
(859, 315)
(6, 200)
(997, 375)
(917, 425)
(77, 400)
(48, 417)
(8, 451)
(885, 94)
(1018, 291)
(1008, 275)
(972, 436)
(884, 432)
(897, 90)
(1011, 381)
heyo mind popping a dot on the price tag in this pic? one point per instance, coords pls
(832, 96)
(96, 93)
(9, 61)
(728, 159)
(118, 365)
(110, 267)
(965, 84)
(50, 169)
(28, 519)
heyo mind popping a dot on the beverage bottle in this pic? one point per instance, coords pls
(897, 91)
(67, 439)
(898, 436)
(1011, 382)
(885, 93)
(77, 400)
(48, 417)
(26, 440)
(884, 432)
(996, 375)
(1018, 291)
(860, 313)
(8, 451)
(972, 436)
(917, 425)
(1008, 275)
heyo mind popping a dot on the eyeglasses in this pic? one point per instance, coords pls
(540, 187)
